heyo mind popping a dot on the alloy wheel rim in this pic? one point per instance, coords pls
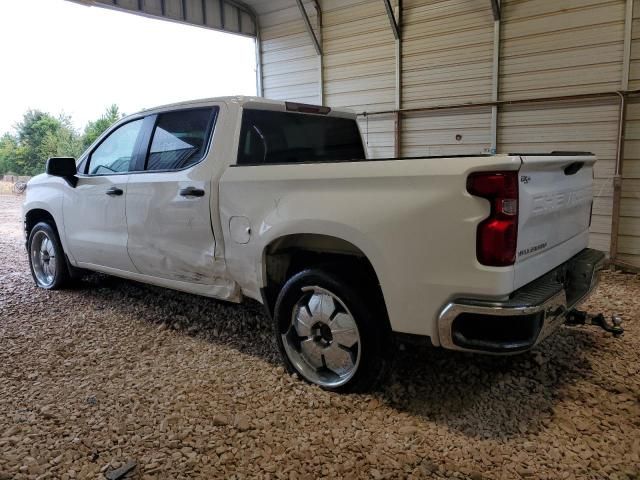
(43, 259)
(322, 340)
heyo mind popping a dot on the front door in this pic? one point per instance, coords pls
(94, 212)
(169, 202)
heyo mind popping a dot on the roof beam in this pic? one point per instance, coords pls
(392, 19)
(307, 22)
(162, 7)
(495, 8)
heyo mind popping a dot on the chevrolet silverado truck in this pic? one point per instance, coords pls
(276, 201)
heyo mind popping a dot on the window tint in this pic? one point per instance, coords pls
(114, 154)
(284, 137)
(179, 139)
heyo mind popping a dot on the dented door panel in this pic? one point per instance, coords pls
(170, 216)
(170, 235)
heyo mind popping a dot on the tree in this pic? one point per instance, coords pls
(94, 129)
(63, 143)
(40, 136)
(8, 147)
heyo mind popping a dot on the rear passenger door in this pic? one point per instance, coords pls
(169, 196)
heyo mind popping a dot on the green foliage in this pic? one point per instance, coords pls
(94, 129)
(40, 135)
(8, 147)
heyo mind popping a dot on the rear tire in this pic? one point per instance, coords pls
(47, 258)
(330, 333)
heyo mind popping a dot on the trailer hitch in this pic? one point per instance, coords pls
(578, 317)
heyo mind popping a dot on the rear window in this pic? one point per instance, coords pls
(284, 137)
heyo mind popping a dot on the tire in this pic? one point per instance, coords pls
(330, 333)
(46, 258)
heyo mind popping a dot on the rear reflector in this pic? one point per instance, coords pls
(497, 235)
(305, 108)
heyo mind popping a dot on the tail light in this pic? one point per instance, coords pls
(497, 235)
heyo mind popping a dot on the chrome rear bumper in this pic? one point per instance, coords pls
(530, 314)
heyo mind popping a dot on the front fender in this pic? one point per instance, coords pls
(45, 192)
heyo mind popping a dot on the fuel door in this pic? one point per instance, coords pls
(240, 229)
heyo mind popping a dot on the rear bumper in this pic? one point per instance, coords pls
(527, 317)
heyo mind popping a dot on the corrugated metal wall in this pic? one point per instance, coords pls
(547, 48)
(290, 66)
(447, 52)
(629, 232)
(447, 59)
(551, 48)
(359, 51)
(358, 58)
(446, 132)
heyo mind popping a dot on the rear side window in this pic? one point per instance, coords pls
(180, 138)
(285, 137)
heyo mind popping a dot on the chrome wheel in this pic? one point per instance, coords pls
(323, 341)
(43, 259)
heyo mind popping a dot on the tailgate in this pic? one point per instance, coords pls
(555, 198)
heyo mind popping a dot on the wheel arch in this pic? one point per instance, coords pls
(292, 253)
(36, 215)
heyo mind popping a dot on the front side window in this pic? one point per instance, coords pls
(180, 139)
(114, 154)
(286, 137)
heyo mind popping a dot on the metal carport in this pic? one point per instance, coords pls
(458, 76)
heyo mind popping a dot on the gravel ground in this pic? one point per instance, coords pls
(188, 387)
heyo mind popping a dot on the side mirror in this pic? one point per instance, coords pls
(64, 167)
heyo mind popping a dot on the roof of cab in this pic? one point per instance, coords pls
(240, 101)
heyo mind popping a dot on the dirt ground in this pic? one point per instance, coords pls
(188, 387)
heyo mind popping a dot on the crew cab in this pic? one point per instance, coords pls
(242, 197)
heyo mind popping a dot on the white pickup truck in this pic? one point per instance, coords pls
(245, 197)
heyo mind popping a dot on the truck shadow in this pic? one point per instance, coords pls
(489, 396)
(244, 327)
(472, 394)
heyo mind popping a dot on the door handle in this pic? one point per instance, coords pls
(114, 191)
(192, 192)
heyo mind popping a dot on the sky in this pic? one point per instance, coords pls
(64, 57)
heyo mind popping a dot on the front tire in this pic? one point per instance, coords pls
(46, 257)
(330, 333)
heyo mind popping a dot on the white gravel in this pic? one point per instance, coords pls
(188, 387)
